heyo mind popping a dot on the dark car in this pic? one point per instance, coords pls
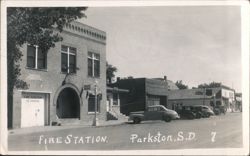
(198, 112)
(206, 112)
(186, 112)
(219, 110)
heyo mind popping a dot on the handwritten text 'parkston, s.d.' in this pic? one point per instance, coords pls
(159, 137)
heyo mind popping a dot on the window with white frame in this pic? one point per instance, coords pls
(68, 59)
(36, 58)
(93, 64)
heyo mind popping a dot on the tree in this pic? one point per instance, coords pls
(204, 85)
(35, 26)
(210, 85)
(110, 72)
(180, 85)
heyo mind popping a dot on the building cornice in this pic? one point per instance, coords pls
(85, 31)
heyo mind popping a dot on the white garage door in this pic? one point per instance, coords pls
(32, 110)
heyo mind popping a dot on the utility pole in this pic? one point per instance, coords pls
(214, 100)
(95, 121)
(204, 92)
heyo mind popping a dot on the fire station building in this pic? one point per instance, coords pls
(57, 78)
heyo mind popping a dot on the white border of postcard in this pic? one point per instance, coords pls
(244, 4)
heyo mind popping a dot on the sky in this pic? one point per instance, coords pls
(195, 44)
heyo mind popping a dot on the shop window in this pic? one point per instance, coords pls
(218, 94)
(153, 100)
(209, 92)
(218, 103)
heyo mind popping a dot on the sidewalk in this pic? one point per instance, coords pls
(20, 131)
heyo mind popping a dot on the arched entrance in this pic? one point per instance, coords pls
(68, 104)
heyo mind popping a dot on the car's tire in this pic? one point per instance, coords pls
(217, 112)
(208, 115)
(137, 120)
(198, 116)
(167, 118)
(190, 117)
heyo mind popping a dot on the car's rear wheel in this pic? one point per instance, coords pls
(198, 115)
(190, 116)
(203, 115)
(167, 119)
(136, 120)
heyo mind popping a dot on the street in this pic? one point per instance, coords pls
(224, 131)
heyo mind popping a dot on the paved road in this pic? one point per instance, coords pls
(214, 132)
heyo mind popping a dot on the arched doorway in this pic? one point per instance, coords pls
(68, 104)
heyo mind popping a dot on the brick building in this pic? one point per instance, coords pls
(56, 80)
(143, 92)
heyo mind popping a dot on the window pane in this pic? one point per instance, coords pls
(64, 48)
(72, 63)
(64, 62)
(31, 62)
(41, 62)
(97, 68)
(97, 56)
(91, 103)
(72, 50)
(90, 54)
(31, 53)
(90, 73)
(41, 54)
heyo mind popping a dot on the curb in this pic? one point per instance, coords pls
(55, 128)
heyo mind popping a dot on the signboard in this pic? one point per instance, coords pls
(87, 87)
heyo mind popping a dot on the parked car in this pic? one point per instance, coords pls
(219, 110)
(186, 112)
(198, 112)
(206, 112)
(157, 112)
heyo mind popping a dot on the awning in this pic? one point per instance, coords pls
(117, 90)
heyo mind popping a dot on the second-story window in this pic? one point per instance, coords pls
(93, 64)
(68, 59)
(36, 58)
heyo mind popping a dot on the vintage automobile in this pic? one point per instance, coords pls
(206, 112)
(198, 112)
(219, 110)
(157, 112)
(186, 112)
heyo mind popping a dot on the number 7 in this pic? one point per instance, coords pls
(213, 136)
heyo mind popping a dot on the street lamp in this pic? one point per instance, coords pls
(95, 121)
(214, 96)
